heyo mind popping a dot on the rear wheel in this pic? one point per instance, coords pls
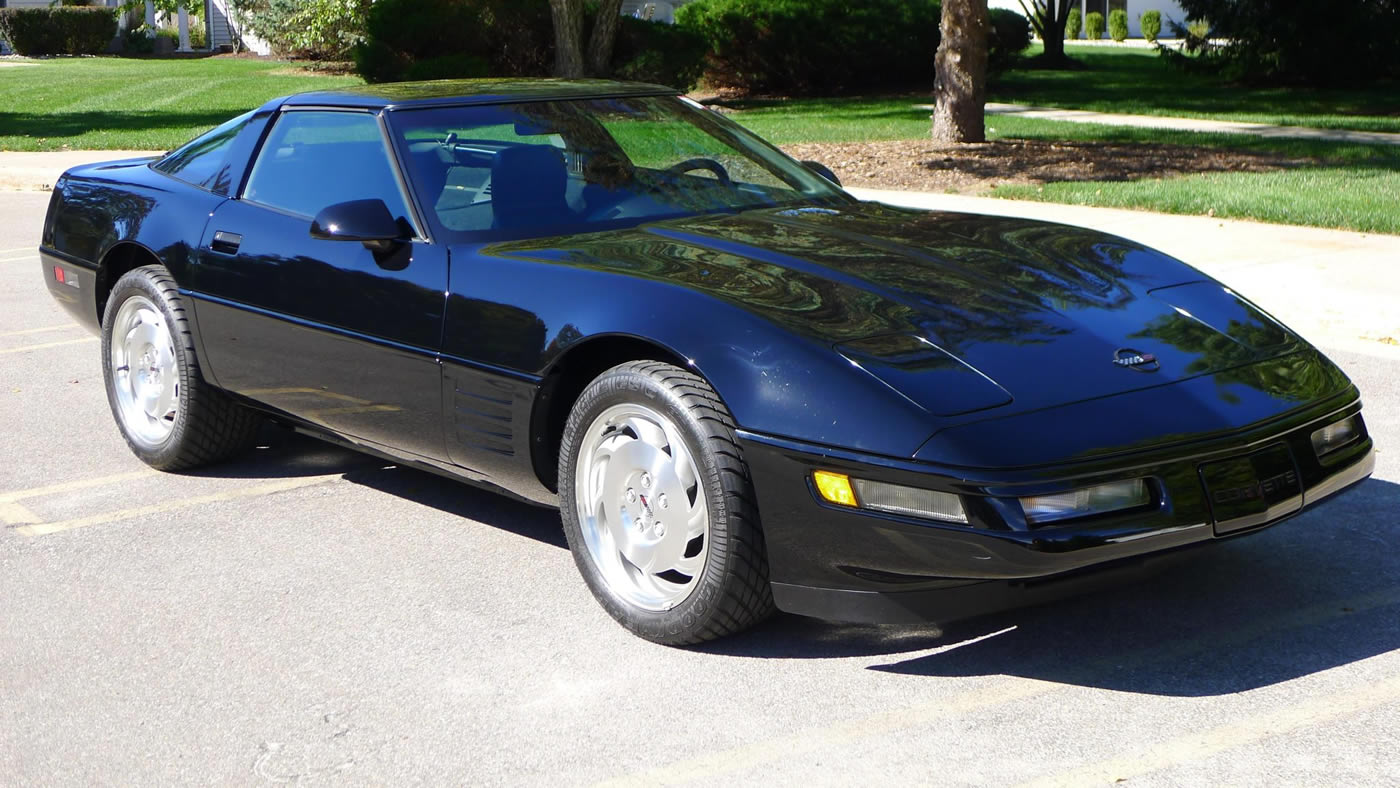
(168, 415)
(658, 506)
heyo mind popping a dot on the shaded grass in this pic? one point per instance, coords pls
(106, 103)
(1138, 81)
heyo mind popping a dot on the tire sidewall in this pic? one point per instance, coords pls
(622, 386)
(142, 282)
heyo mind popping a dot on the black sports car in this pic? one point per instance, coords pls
(743, 388)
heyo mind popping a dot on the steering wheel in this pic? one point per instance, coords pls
(700, 164)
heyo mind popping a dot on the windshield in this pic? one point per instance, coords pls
(555, 167)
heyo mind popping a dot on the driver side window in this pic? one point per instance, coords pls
(314, 159)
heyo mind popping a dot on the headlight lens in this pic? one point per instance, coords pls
(1335, 436)
(840, 489)
(1086, 501)
(915, 502)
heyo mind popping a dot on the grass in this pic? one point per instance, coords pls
(106, 103)
(1138, 81)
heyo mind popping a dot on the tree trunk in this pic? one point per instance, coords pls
(568, 37)
(1055, 31)
(961, 88)
(600, 42)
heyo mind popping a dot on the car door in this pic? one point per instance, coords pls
(342, 334)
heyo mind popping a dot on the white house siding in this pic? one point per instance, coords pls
(223, 32)
(1135, 8)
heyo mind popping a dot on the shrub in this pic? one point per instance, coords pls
(1093, 26)
(1118, 25)
(1073, 24)
(409, 39)
(1009, 36)
(61, 30)
(656, 52)
(1151, 24)
(313, 29)
(814, 46)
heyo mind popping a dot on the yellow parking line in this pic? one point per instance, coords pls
(24, 331)
(43, 345)
(24, 258)
(13, 513)
(34, 249)
(1199, 745)
(77, 484)
(282, 485)
(810, 740)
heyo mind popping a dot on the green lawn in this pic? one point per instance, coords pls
(103, 103)
(1355, 187)
(1138, 81)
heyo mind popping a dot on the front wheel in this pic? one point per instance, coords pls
(169, 416)
(658, 506)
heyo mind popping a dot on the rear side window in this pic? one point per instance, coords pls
(314, 159)
(201, 161)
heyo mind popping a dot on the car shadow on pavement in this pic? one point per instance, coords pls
(282, 453)
(1314, 593)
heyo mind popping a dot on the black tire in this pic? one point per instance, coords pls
(209, 426)
(732, 592)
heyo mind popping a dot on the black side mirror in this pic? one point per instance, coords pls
(366, 221)
(822, 170)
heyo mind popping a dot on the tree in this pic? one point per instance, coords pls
(568, 37)
(569, 56)
(1292, 41)
(604, 35)
(1048, 17)
(960, 91)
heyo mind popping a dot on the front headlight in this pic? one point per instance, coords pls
(1086, 501)
(1334, 436)
(840, 489)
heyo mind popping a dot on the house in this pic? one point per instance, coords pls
(1135, 9)
(656, 10)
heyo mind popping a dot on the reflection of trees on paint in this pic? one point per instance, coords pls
(857, 273)
(1299, 376)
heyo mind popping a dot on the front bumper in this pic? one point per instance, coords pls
(858, 565)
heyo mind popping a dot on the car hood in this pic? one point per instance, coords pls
(956, 312)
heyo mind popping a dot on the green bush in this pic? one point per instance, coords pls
(1151, 23)
(460, 38)
(1093, 26)
(1118, 25)
(656, 52)
(1292, 41)
(815, 46)
(312, 29)
(61, 30)
(1073, 24)
(1009, 36)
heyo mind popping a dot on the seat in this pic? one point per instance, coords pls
(528, 185)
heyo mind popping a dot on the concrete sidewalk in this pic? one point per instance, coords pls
(1195, 124)
(1337, 288)
(27, 171)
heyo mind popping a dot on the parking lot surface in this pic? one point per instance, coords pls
(308, 614)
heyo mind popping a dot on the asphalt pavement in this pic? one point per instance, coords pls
(307, 614)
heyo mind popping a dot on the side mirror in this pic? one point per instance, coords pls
(366, 221)
(822, 170)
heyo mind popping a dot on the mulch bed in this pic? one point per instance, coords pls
(923, 165)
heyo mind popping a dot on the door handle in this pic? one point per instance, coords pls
(226, 243)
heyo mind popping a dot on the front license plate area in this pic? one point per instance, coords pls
(1249, 491)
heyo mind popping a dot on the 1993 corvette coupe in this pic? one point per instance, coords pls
(743, 388)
